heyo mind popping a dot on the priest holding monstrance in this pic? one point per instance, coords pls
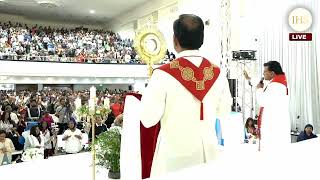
(181, 103)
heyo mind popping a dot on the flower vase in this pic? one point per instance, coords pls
(114, 175)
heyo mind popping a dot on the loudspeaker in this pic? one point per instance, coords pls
(244, 55)
(233, 87)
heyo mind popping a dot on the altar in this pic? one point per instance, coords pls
(298, 161)
(74, 166)
(235, 164)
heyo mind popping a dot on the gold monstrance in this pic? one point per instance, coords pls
(150, 46)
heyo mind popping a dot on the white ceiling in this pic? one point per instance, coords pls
(70, 10)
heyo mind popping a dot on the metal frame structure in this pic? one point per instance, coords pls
(245, 88)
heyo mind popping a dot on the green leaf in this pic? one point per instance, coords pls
(107, 148)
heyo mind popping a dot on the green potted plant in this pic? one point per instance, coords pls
(107, 147)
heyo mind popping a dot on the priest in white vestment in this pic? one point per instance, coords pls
(274, 119)
(185, 97)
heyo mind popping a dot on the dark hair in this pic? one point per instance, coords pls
(72, 120)
(308, 125)
(274, 66)
(33, 131)
(8, 107)
(189, 31)
(247, 122)
(3, 132)
(2, 118)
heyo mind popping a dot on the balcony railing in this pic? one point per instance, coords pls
(57, 59)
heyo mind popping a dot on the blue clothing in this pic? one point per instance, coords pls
(51, 47)
(303, 136)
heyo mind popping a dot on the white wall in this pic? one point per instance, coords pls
(118, 23)
(262, 20)
(207, 10)
(6, 86)
(59, 24)
(12, 79)
(46, 69)
(16, 72)
(127, 31)
(168, 11)
(136, 18)
(167, 16)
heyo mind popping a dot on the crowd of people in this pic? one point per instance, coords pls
(32, 120)
(21, 42)
(39, 43)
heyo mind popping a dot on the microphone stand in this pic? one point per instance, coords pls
(251, 91)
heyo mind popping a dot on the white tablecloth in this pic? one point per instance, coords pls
(236, 164)
(299, 161)
(74, 166)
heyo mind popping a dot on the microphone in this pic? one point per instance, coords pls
(260, 85)
(261, 81)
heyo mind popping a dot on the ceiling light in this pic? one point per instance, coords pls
(48, 3)
(92, 11)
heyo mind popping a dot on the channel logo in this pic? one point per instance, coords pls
(300, 20)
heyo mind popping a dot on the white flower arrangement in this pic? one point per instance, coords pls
(115, 129)
(32, 154)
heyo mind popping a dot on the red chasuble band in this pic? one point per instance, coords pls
(197, 80)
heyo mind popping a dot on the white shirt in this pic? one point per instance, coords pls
(14, 117)
(127, 58)
(8, 145)
(73, 144)
(47, 139)
(32, 142)
(184, 140)
(46, 39)
(191, 55)
(20, 38)
(10, 148)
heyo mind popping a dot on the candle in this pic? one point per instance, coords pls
(78, 103)
(106, 102)
(91, 105)
(78, 106)
(93, 92)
